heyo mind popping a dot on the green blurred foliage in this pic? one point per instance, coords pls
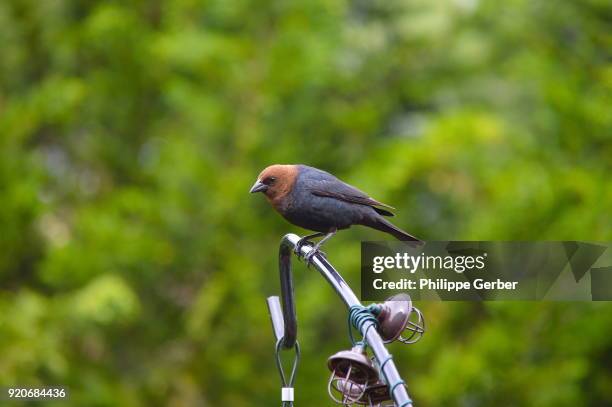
(134, 264)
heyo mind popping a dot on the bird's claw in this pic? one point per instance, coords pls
(299, 245)
(309, 256)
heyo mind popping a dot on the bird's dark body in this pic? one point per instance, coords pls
(304, 208)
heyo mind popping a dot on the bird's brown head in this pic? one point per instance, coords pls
(276, 181)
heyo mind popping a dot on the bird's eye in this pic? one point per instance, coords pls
(269, 180)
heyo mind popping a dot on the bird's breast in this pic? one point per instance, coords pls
(315, 213)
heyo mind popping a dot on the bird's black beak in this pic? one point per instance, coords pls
(258, 186)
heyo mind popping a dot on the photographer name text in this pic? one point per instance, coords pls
(442, 284)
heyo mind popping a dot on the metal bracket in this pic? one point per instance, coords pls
(285, 326)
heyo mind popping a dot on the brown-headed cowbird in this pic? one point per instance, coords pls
(316, 200)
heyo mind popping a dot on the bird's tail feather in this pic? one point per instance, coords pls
(384, 225)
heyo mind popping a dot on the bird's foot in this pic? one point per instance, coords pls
(308, 257)
(301, 243)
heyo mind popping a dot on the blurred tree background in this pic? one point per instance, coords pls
(134, 265)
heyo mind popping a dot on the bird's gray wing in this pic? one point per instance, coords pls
(326, 185)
